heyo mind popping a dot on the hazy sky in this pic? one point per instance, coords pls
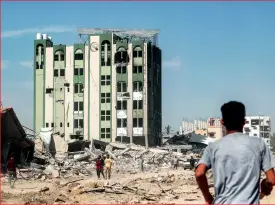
(213, 52)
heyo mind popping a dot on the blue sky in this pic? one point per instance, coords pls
(213, 52)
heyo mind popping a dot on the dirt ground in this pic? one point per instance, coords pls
(166, 186)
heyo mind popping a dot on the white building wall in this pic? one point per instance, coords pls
(113, 97)
(86, 93)
(69, 99)
(94, 89)
(215, 129)
(49, 84)
(145, 98)
(130, 90)
(254, 130)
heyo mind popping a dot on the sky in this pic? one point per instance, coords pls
(213, 52)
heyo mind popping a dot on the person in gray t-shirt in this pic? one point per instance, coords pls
(236, 161)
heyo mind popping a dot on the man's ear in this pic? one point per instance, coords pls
(222, 122)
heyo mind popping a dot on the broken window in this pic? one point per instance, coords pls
(121, 87)
(78, 55)
(255, 122)
(75, 106)
(80, 71)
(137, 86)
(78, 88)
(137, 69)
(55, 71)
(78, 106)
(105, 53)
(122, 123)
(105, 133)
(62, 72)
(75, 123)
(78, 123)
(121, 56)
(59, 55)
(56, 57)
(137, 53)
(105, 97)
(137, 122)
(121, 105)
(105, 80)
(49, 90)
(137, 104)
(121, 69)
(105, 115)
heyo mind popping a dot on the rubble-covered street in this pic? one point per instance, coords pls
(165, 186)
(50, 170)
(177, 186)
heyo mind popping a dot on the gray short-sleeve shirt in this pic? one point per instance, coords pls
(236, 161)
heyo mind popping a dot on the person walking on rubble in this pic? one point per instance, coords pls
(108, 167)
(99, 167)
(236, 160)
(12, 170)
(176, 163)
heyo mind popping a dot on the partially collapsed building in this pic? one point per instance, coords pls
(107, 87)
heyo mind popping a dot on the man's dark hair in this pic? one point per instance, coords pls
(233, 114)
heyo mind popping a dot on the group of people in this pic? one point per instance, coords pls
(104, 166)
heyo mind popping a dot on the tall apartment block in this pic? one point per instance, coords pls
(106, 87)
(258, 126)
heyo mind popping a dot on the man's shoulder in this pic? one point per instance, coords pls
(237, 139)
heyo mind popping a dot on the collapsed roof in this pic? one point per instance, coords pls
(191, 138)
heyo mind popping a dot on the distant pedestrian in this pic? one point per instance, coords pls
(108, 167)
(12, 171)
(192, 162)
(176, 163)
(141, 164)
(99, 167)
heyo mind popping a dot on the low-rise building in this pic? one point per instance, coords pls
(203, 132)
(215, 128)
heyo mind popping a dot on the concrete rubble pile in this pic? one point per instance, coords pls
(155, 188)
(128, 158)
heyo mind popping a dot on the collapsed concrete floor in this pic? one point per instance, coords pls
(165, 186)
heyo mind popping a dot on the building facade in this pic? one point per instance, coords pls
(215, 128)
(188, 126)
(203, 132)
(107, 88)
(258, 126)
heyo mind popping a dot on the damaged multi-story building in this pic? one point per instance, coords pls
(258, 126)
(106, 87)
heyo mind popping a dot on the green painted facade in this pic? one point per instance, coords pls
(39, 82)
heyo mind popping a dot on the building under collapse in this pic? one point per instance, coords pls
(107, 87)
